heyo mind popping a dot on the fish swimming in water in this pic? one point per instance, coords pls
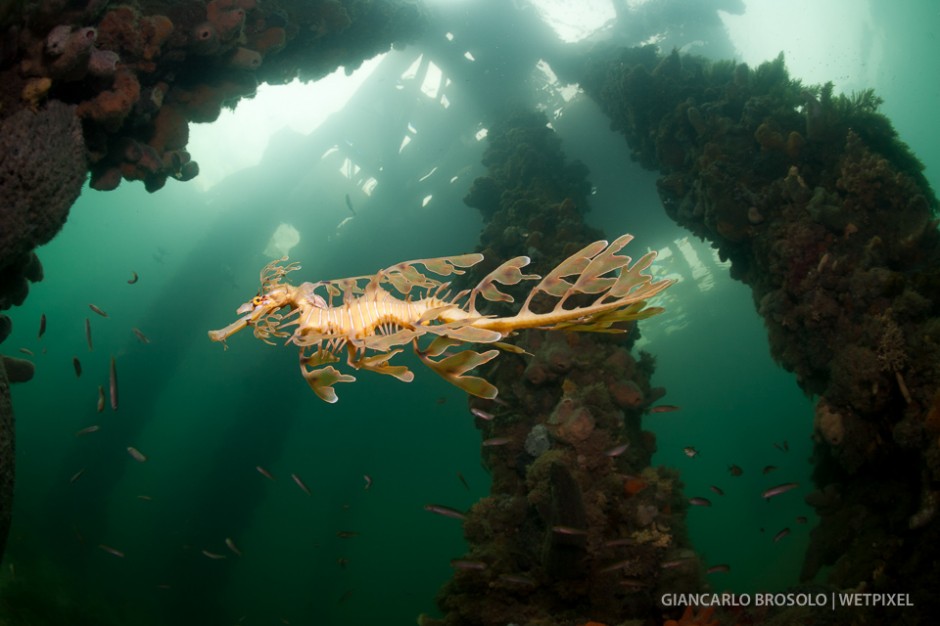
(483, 415)
(113, 382)
(141, 337)
(111, 551)
(446, 511)
(300, 483)
(617, 450)
(664, 408)
(776, 491)
(364, 317)
(231, 546)
(97, 310)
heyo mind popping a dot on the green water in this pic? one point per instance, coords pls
(206, 417)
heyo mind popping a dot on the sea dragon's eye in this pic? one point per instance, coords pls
(257, 300)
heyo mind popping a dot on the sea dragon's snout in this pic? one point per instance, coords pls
(257, 309)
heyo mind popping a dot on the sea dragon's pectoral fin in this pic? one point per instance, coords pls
(322, 379)
(379, 363)
(454, 367)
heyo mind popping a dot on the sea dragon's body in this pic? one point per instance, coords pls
(372, 323)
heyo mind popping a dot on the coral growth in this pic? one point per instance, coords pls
(42, 169)
(137, 75)
(827, 216)
(577, 524)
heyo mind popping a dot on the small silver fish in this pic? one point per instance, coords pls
(27, 351)
(78, 366)
(446, 511)
(496, 441)
(776, 491)
(110, 550)
(91, 347)
(714, 569)
(112, 376)
(700, 502)
(467, 565)
(716, 490)
(664, 408)
(136, 454)
(100, 398)
(783, 533)
(483, 415)
(42, 325)
(300, 484)
(368, 480)
(568, 530)
(264, 472)
(88, 430)
(516, 579)
(140, 335)
(134, 278)
(97, 310)
(77, 475)
(690, 452)
(617, 450)
(215, 556)
(231, 546)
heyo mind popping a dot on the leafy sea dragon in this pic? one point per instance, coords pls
(372, 317)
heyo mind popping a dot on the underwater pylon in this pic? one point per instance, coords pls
(371, 322)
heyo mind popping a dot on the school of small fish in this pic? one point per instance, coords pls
(736, 471)
(521, 580)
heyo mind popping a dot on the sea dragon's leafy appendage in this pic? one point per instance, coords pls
(371, 317)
